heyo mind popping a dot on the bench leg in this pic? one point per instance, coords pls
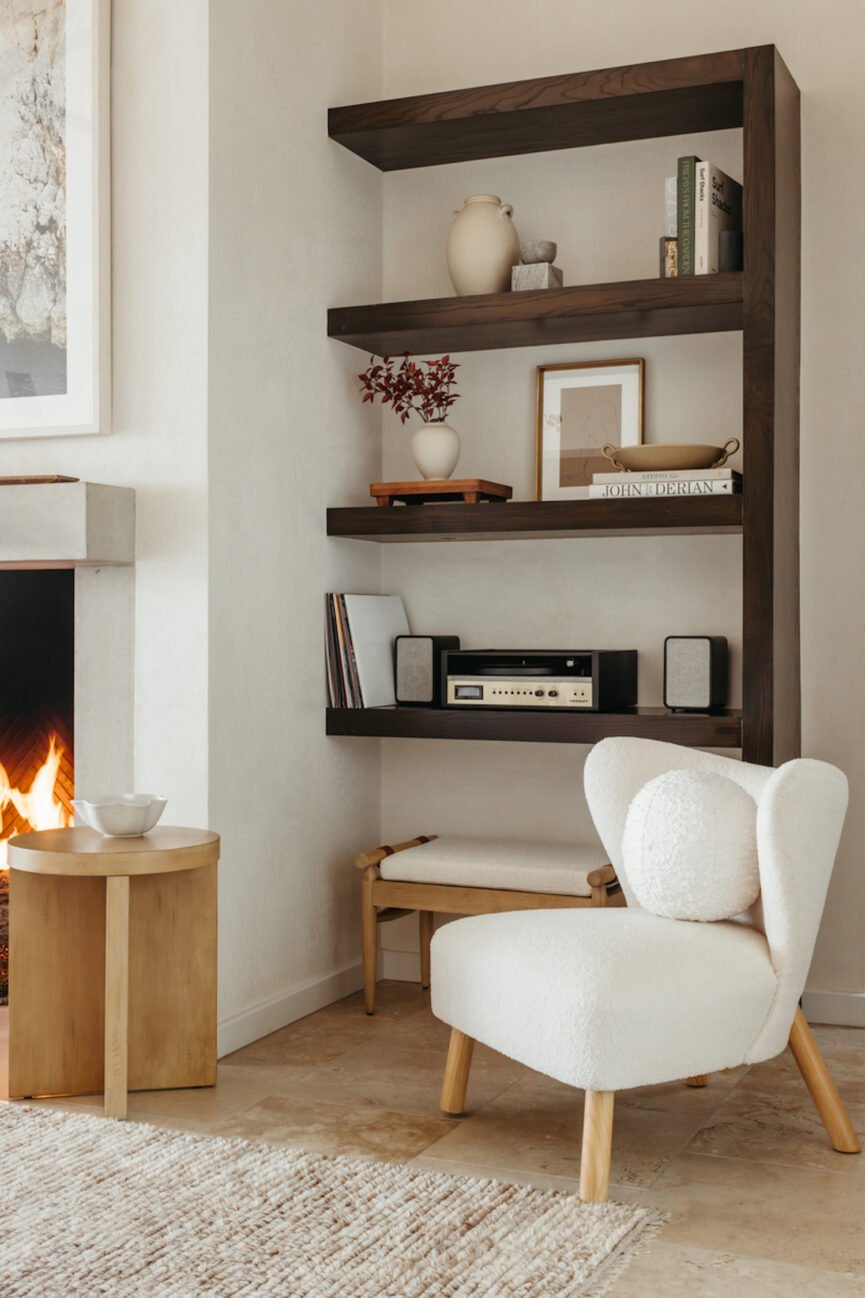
(369, 937)
(425, 922)
(116, 994)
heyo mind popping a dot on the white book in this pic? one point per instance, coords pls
(670, 475)
(374, 622)
(634, 490)
(671, 207)
(718, 207)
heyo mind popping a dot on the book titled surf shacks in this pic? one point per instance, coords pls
(708, 201)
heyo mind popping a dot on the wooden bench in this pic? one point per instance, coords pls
(472, 876)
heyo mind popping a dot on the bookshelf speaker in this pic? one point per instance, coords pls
(417, 667)
(695, 672)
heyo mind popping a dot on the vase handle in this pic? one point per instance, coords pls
(729, 448)
(609, 452)
(506, 209)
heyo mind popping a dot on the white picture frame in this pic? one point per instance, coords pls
(581, 405)
(84, 407)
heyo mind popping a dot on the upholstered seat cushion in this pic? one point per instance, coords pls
(605, 999)
(498, 863)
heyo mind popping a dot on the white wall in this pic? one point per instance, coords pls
(603, 206)
(159, 443)
(295, 226)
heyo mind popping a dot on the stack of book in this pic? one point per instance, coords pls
(665, 482)
(359, 632)
(702, 220)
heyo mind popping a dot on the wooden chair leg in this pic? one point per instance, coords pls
(699, 1079)
(457, 1068)
(824, 1093)
(369, 936)
(597, 1146)
(425, 922)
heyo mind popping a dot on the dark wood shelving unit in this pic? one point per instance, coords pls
(751, 89)
(535, 520)
(721, 730)
(641, 308)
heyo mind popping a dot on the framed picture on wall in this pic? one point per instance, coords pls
(54, 218)
(581, 406)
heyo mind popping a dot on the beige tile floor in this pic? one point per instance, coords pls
(759, 1206)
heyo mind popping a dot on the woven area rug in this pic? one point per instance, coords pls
(94, 1207)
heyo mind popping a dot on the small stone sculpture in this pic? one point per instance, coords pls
(536, 269)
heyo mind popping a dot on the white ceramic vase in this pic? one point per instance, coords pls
(436, 449)
(483, 246)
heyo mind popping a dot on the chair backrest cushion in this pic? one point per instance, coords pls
(800, 815)
(690, 846)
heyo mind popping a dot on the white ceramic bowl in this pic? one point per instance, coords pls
(120, 815)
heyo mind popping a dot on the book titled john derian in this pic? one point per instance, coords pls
(670, 482)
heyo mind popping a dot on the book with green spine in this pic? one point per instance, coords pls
(686, 195)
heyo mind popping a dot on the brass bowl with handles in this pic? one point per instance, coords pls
(668, 456)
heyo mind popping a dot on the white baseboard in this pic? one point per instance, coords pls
(401, 966)
(285, 1007)
(844, 1008)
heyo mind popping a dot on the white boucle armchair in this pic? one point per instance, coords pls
(606, 1000)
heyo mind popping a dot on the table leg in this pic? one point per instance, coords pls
(116, 994)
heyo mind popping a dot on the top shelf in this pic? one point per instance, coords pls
(638, 102)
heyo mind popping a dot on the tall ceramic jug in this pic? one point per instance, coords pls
(483, 246)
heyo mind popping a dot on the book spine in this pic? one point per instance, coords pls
(702, 220)
(343, 651)
(336, 654)
(635, 490)
(670, 475)
(351, 660)
(670, 206)
(686, 179)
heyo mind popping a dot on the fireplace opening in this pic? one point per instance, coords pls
(37, 673)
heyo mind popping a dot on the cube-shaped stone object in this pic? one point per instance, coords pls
(539, 275)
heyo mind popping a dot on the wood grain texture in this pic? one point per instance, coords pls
(580, 313)
(528, 520)
(84, 852)
(823, 1090)
(116, 995)
(640, 101)
(454, 899)
(720, 730)
(57, 984)
(770, 597)
(597, 1146)
(457, 1068)
(172, 980)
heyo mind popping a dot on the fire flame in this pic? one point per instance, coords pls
(38, 806)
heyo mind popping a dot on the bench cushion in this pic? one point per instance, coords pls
(498, 863)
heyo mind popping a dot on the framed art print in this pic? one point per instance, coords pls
(581, 406)
(54, 218)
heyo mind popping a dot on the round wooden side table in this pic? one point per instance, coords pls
(112, 963)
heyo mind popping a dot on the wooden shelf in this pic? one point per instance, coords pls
(723, 730)
(638, 102)
(533, 520)
(642, 308)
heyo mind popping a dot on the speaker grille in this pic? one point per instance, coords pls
(414, 669)
(688, 673)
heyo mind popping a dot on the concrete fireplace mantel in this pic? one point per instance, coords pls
(66, 525)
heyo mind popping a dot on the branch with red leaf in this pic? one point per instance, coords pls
(425, 388)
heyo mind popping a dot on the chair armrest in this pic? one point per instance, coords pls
(364, 860)
(599, 878)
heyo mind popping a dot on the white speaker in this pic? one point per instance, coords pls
(417, 667)
(695, 672)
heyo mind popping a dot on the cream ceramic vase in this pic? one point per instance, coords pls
(483, 246)
(436, 449)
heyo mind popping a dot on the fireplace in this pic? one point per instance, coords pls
(37, 673)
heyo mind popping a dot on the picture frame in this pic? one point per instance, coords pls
(581, 405)
(55, 330)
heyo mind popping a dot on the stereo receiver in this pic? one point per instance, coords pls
(594, 680)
